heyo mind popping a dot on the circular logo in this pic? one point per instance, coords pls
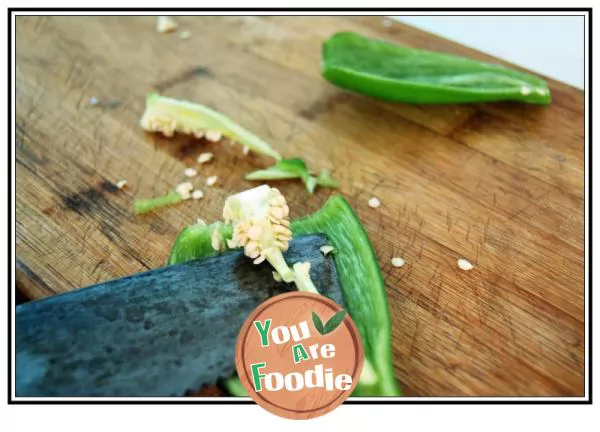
(299, 355)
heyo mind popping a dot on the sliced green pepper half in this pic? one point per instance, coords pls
(359, 276)
(401, 74)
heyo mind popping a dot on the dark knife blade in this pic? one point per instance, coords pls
(158, 333)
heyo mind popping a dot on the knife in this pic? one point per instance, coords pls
(154, 334)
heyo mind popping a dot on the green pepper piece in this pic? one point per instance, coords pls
(294, 168)
(235, 387)
(195, 241)
(170, 115)
(359, 275)
(326, 180)
(146, 205)
(400, 74)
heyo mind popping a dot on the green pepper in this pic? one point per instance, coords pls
(147, 205)
(168, 115)
(294, 168)
(400, 74)
(360, 279)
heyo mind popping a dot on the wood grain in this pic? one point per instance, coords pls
(499, 184)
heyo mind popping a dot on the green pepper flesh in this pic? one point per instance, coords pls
(400, 74)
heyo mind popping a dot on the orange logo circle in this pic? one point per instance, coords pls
(299, 355)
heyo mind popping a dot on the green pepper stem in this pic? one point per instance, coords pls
(306, 285)
(275, 258)
(302, 278)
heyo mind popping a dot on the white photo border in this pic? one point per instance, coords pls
(13, 12)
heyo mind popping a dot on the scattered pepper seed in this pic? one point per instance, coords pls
(387, 22)
(200, 222)
(190, 172)
(197, 194)
(211, 180)
(397, 262)
(184, 190)
(525, 90)
(246, 150)
(374, 202)
(204, 157)
(465, 265)
(165, 24)
(184, 34)
(326, 249)
(213, 136)
(121, 184)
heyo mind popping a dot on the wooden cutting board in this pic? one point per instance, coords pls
(499, 184)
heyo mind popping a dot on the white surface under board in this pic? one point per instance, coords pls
(549, 45)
